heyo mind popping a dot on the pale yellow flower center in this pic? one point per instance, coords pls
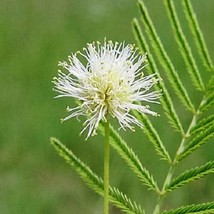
(109, 91)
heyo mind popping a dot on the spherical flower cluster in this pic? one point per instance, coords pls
(110, 83)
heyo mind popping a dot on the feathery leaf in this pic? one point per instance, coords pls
(205, 208)
(210, 86)
(124, 203)
(131, 158)
(208, 102)
(202, 125)
(94, 182)
(197, 142)
(165, 98)
(191, 175)
(197, 34)
(164, 58)
(184, 47)
(153, 136)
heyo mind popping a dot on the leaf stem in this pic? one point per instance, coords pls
(175, 161)
(162, 193)
(192, 124)
(106, 168)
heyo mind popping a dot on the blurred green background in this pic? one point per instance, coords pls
(34, 36)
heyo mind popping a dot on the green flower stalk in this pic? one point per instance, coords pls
(106, 167)
(110, 84)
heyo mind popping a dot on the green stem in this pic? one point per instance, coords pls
(162, 194)
(106, 167)
(174, 163)
(157, 207)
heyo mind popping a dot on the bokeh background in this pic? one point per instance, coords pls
(34, 36)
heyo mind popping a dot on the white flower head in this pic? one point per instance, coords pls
(110, 82)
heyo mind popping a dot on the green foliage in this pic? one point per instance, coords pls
(202, 125)
(208, 102)
(210, 87)
(184, 46)
(199, 131)
(93, 181)
(164, 58)
(192, 137)
(191, 175)
(165, 98)
(197, 33)
(153, 136)
(123, 202)
(197, 142)
(205, 208)
(131, 159)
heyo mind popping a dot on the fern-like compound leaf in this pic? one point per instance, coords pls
(202, 125)
(197, 142)
(205, 208)
(191, 175)
(153, 136)
(210, 86)
(184, 46)
(164, 58)
(132, 207)
(165, 99)
(197, 34)
(207, 103)
(208, 100)
(131, 159)
(94, 182)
